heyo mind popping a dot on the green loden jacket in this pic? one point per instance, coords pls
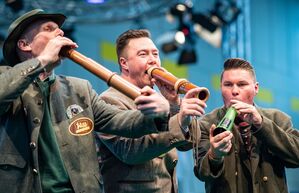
(146, 164)
(275, 146)
(21, 113)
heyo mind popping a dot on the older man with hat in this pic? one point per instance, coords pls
(46, 121)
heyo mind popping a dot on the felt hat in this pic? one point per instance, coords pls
(17, 27)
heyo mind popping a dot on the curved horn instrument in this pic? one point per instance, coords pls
(111, 78)
(181, 86)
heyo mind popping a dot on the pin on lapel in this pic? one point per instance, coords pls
(73, 110)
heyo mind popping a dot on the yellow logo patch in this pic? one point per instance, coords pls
(81, 126)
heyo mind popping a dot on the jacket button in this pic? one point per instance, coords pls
(236, 173)
(265, 178)
(39, 102)
(35, 171)
(32, 145)
(30, 69)
(174, 140)
(36, 120)
(35, 83)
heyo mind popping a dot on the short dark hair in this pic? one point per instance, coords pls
(238, 63)
(123, 39)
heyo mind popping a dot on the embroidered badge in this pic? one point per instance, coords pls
(81, 126)
(73, 110)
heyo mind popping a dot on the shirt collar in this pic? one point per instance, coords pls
(51, 78)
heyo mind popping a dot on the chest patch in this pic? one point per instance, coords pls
(81, 126)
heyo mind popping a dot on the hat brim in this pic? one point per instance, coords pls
(10, 44)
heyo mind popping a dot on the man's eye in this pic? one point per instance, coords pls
(48, 28)
(227, 85)
(242, 84)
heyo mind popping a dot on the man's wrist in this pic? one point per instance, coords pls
(185, 129)
(212, 156)
(175, 107)
(259, 125)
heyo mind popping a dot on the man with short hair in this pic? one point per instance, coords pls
(253, 156)
(146, 164)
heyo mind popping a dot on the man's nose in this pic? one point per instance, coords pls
(59, 32)
(153, 60)
(235, 90)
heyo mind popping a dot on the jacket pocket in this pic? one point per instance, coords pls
(14, 174)
(11, 166)
(11, 160)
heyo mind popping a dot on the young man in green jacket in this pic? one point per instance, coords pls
(252, 157)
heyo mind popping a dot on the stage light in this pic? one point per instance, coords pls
(226, 10)
(204, 21)
(15, 5)
(178, 10)
(213, 38)
(180, 37)
(184, 39)
(187, 56)
(171, 41)
(169, 47)
(192, 24)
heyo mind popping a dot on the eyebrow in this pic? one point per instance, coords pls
(50, 23)
(148, 50)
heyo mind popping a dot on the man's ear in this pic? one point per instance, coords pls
(24, 45)
(124, 64)
(256, 87)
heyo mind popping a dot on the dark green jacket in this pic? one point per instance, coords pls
(21, 113)
(275, 147)
(146, 164)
